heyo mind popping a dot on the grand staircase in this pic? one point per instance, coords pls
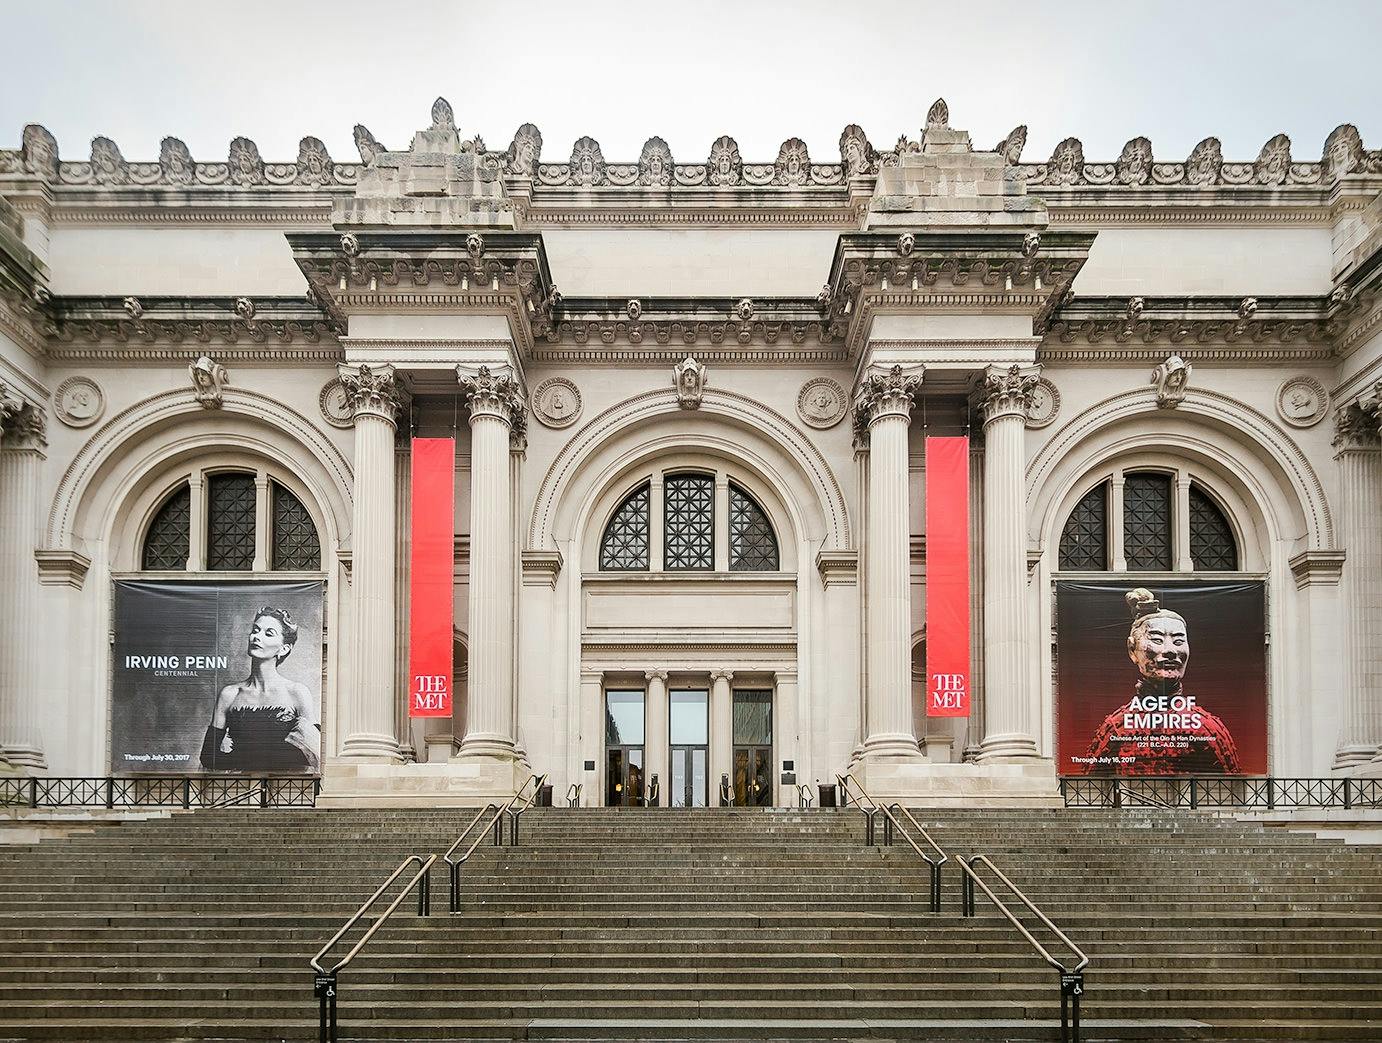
(707, 925)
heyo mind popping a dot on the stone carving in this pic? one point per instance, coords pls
(1172, 380)
(39, 150)
(1031, 243)
(938, 115)
(79, 402)
(475, 245)
(314, 163)
(1011, 147)
(587, 165)
(1359, 424)
(367, 144)
(724, 166)
(906, 243)
(688, 377)
(133, 308)
(10, 406)
(335, 405)
(246, 168)
(634, 309)
(825, 299)
(886, 393)
(244, 308)
(1302, 401)
(743, 311)
(350, 244)
(1134, 166)
(1274, 161)
(490, 393)
(108, 167)
(557, 402)
(1247, 308)
(1136, 306)
(793, 165)
(23, 425)
(370, 390)
(1006, 392)
(655, 164)
(1067, 163)
(525, 152)
(822, 403)
(443, 118)
(856, 154)
(1205, 162)
(175, 161)
(1343, 152)
(1042, 404)
(209, 379)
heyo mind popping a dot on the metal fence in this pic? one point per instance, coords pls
(1254, 794)
(165, 791)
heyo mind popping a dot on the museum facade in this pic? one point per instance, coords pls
(691, 418)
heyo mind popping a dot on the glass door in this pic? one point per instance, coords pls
(623, 748)
(753, 748)
(689, 727)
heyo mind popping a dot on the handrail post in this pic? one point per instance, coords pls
(186, 794)
(1194, 793)
(110, 791)
(513, 828)
(1271, 793)
(1071, 988)
(325, 988)
(33, 791)
(424, 893)
(455, 886)
(887, 830)
(966, 893)
(1348, 794)
(935, 888)
(498, 831)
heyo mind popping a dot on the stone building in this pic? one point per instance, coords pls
(690, 398)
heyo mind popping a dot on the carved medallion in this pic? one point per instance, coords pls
(1302, 401)
(1043, 404)
(822, 403)
(335, 404)
(556, 402)
(79, 402)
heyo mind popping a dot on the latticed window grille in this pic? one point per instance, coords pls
(168, 541)
(752, 545)
(295, 543)
(1147, 522)
(624, 546)
(230, 522)
(1084, 541)
(1212, 546)
(689, 509)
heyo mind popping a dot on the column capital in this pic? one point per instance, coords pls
(23, 425)
(655, 675)
(372, 390)
(722, 675)
(494, 394)
(1007, 392)
(1358, 425)
(886, 393)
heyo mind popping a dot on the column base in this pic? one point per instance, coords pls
(923, 784)
(489, 744)
(27, 760)
(1349, 758)
(371, 746)
(1013, 746)
(898, 744)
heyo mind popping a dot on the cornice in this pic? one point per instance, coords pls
(1190, 321)
(756, 351)
(148, 327)
(1160, 213)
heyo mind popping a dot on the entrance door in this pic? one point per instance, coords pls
(753, 748)
(623, 748)
(689, 721)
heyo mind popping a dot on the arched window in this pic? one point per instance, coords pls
(689, 527)
(238, 537)
(1148, 504)
(624, 547)
(752, 545)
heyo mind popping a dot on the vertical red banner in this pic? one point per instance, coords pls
(947, 577)
(431, 578)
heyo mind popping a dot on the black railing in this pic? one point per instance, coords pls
(159, 791)
(1245, 794)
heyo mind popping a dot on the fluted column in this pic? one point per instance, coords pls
(1009, 716)
(721, 733)
(1359, 455)
(369, 726)
(884, 404)
(22, 439)
(656, 748)
(496, 405)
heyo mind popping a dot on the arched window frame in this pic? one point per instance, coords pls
(197, 480)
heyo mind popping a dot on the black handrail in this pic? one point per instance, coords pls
(1071, 978)
(325, 985)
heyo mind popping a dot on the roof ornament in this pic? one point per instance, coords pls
(1273, 164)
(1343, 152)
(1205, 162)
(368, 144)
(314, 163)
(856, 154)
(1011, 146)
(726, 167)
(587, 165)
(1134, 166)
(938, 115)
(1066, 166)
(655, 164)
(525, 151)
(793, 166)
(246, 166)
(443, 118)
(108, 166)
(175, 161)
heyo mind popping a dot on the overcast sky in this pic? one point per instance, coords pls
(1103, 71)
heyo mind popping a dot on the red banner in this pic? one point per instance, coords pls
(432, 568)
(947, 577)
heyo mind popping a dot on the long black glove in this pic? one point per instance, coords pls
(211, 747)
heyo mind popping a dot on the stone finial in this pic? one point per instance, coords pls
(209, 379)
(367, 144)
(938, 115)
(1134, 166)
(1010, 148)
(1205, 162)
(725, 165)
(39, 150)
(442, 116)
(1343, 151)
(175, 162)
(1172, 380)
(587, 163)
(1066, 166)
(1273, 163)
(689, 378)
(856, 154)
(525, 151)
(108, 166)
(793, 165)
(655, 167)
(314, 166)
(246, 166)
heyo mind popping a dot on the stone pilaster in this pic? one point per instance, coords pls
(370, 702)
(655, 735)
(884, 405)
(721, 733)
(1009, 714)
(1358, 451)
(496, 407)
(22, 440)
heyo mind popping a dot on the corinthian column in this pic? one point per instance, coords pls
(496, 406)
(1008, 712)
(1359, 453)
(884, 405)
(369, 724)
(22, 438)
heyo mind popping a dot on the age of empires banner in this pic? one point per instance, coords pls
(217, 677)
(1167, 679)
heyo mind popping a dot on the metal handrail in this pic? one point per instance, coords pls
(804, 796)
(496, 822)
(325, 986)
(539, 781)
(573, 795)
(891, 824)
(726, 791)
(1071, 978)
(1145, 798)
(654, 792)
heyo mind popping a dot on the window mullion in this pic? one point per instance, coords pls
(656, 525)
(1115, 524)
(196, 537)
(721, 522)
(262, 536)
(1180, 524)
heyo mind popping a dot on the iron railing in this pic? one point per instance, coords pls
(573, 795)
(804, 797)
(495, 824)
(654, 793)
(871, 810)
(325, 985)
(726, 792)
(1242, 794)
(158, 791)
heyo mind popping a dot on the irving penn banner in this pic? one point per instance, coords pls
(431, 579)
(947, 577)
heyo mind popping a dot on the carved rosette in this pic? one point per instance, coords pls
(1008, 392)
(886, 394)
(491, 394)
(371, 391)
